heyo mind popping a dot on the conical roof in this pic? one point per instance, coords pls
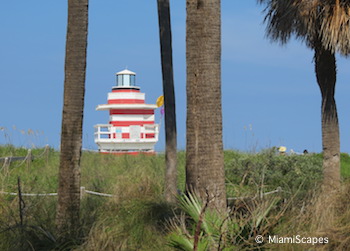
(125, 72)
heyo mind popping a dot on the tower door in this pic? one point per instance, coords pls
(135, 132)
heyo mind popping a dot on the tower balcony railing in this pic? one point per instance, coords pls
(107, 133)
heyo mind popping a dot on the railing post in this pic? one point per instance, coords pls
(156, 131)
(113, 132)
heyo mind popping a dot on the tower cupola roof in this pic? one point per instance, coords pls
(125, 72)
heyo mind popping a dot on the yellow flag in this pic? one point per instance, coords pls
(160, 101)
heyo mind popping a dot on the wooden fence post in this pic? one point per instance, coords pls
(20, 201)
(29, 158)
(6, 166)
(82, 192)
(47, 151)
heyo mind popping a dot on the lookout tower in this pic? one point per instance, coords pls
(131, 127)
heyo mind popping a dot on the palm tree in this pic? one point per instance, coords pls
(325, 29)
(169, 100)
(67, 217)
(204, 149)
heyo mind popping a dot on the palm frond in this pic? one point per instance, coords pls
(335, 26)
(283, 19)
(180, 241)
(309, 20)
(231, 230)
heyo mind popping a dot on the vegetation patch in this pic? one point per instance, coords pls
(136, 217)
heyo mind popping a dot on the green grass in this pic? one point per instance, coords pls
(136, 182)
(136, 218)
(249, 174)
(345, 165)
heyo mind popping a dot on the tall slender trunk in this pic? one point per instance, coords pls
(204, 149)
(169, 100)
(67, 217)
(325, 67)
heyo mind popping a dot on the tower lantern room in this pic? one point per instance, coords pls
(126, 78)
(131, 128)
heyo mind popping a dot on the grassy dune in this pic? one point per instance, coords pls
(137, 218)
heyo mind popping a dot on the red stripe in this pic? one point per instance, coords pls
(127, 135)
(130, 153)
(150, 135)
(125, 90)
(126, 101)
(124, 135)
(129, 123)
(131, 111)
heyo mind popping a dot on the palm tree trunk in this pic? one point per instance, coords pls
(67, 217)
(169, 100)
(325, 67)
(204, 149)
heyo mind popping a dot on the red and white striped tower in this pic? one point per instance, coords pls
(131, 127)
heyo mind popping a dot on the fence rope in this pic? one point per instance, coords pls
(99, 194)
(55, 194)
(25, 158)
(29, 194)
(46, 149)
(278, 190)
(29, 155)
